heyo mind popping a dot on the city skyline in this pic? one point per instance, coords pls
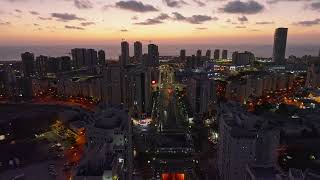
(164, 21)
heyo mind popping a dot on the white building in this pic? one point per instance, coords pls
(258, 85)
(200, 92)
(82, 86)
(243, 139)
(242, 59)
(112, 84)
(313, 73)
(109, 146)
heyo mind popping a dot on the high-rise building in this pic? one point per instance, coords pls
(153, 55)
(78, 57)
(91, 57)
(125, 57)
(198, 62)
(242, 59)
(225, 54)
(208, 54)
(139, 90)
(84, 57)
(113, 85)
(27, 64)
(182, 55)
(199, 53)
(52, 65)
(138, 51)
(64, 63)
(279, 46)
(313, 72)
(101, 57)
(198, 93)
(244, 140)
(216, 54)
(41, 65)
(26, 86)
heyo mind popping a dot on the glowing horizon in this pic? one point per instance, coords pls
(42, 22)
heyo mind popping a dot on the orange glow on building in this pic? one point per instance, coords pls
(172, 176)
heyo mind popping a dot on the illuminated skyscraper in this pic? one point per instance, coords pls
(138, 51)
(78, 57)
(279, 46)
(102, 57)
(153, 55)
(225, 54)
(91, 57)
(199, 58)
(183, 55)
(216, 54)
(242, 59)
(124, 53)
(208, 54)
(27, 63)
(41, 65)
(199, 52)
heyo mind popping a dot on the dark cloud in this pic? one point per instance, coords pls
(199, 3)
(243, 19)
(241, 7)
(134, 18)
(66, 17)
(240, 27)
(255, 30)
(83, 4)
(87, 23)
(13, 1)
(18, 10)
(195, 19)
(178, 16)
(35, 24)
(264, 22)
(308, 22)
(73, 27)
(124, 30)
(175, 3)
(315, 6)
(44, 18)
(149, 22)
(156, 20)
(276, 1)
(5, 23)
(199, 19)
(106, 7)
(163, 16)
(34, 12)
(136, 6)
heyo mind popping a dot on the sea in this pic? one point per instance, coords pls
(12, 53)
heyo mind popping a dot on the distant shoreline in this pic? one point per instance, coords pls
(12, 53)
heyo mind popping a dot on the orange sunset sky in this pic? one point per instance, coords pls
(49, 22)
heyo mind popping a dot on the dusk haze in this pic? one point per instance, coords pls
(159, 89)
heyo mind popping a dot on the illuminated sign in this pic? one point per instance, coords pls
(172, 176)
